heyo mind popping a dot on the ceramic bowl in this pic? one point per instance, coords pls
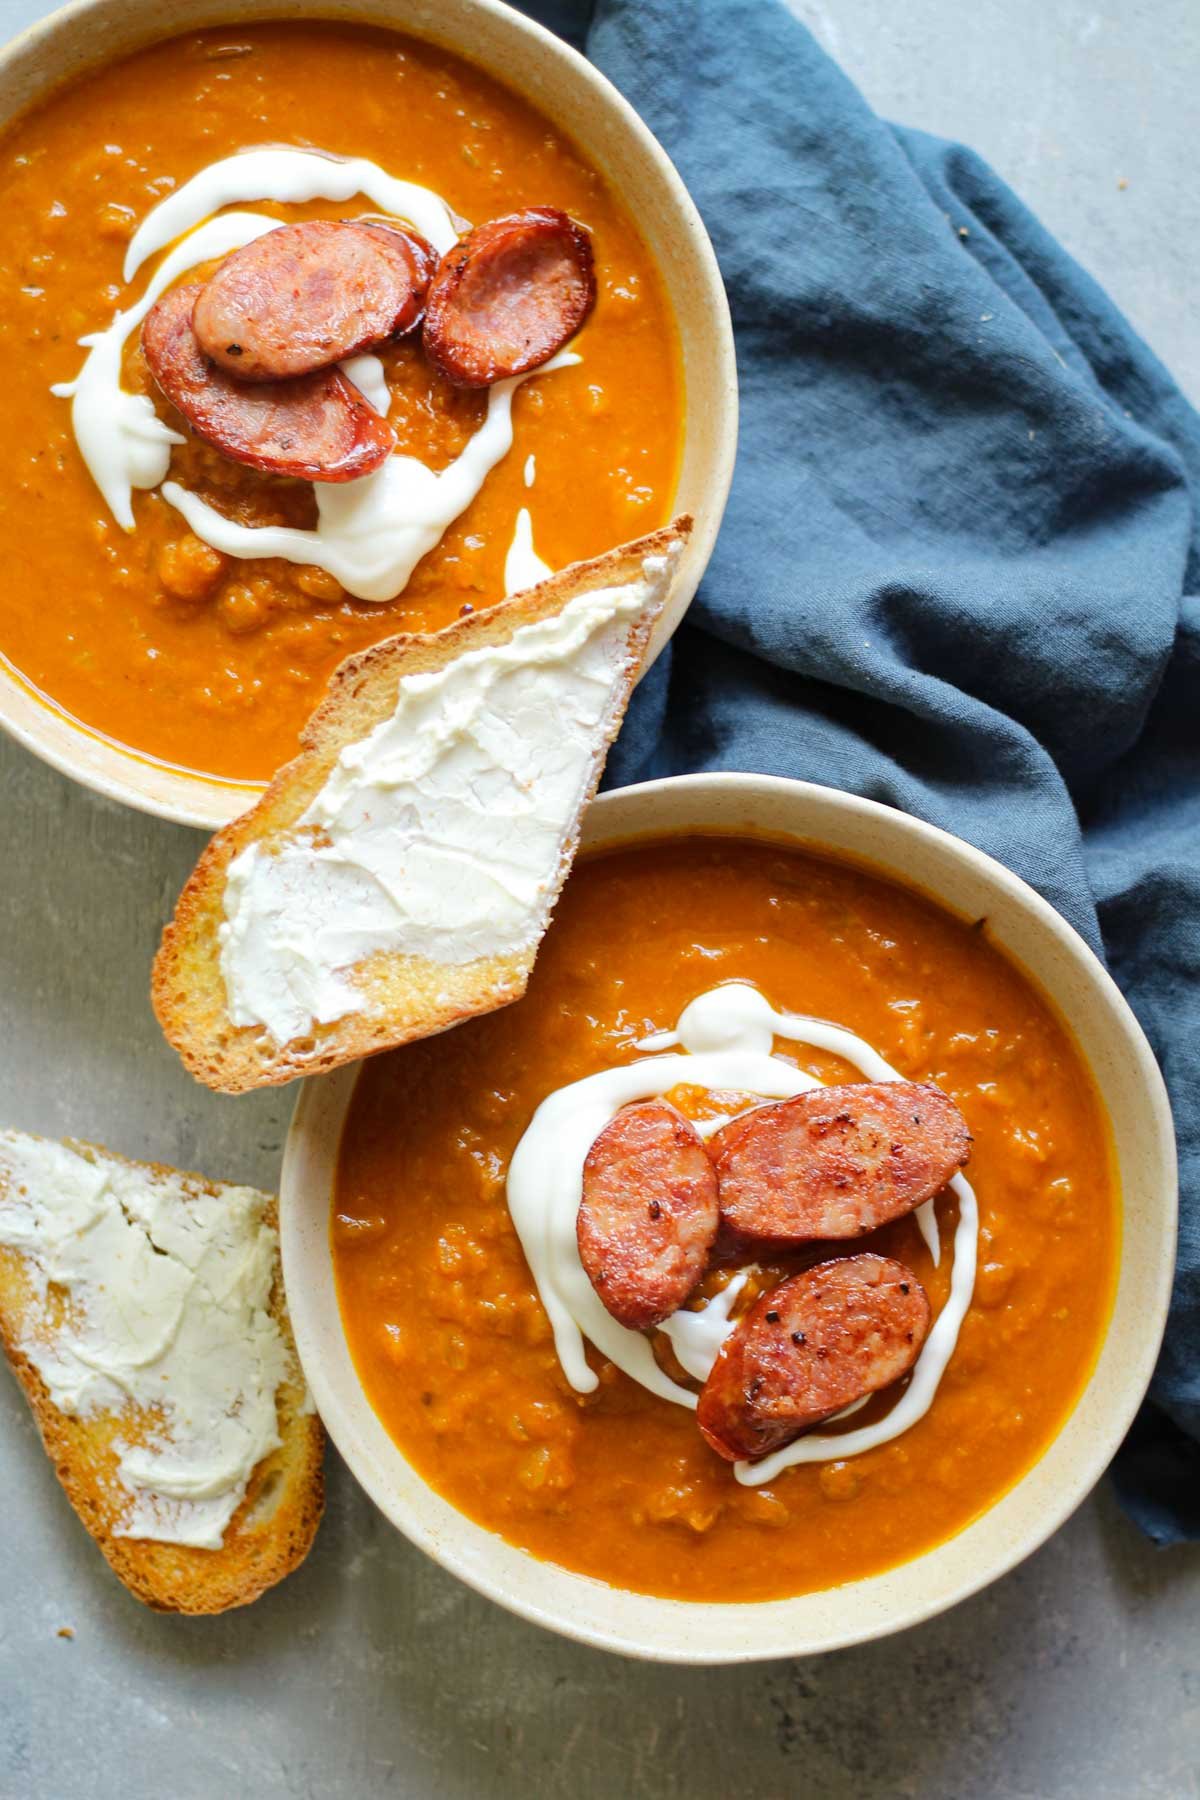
(1133, 1093)
(579, 100)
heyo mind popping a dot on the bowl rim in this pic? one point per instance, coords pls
(184, 796)
(678, 1641)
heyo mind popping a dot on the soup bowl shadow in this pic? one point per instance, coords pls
(83, 37)
(1131, 1088)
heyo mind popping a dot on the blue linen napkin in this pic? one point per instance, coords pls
(960, 571)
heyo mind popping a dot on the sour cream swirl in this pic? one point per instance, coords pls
(370, 534)
(724, 1042)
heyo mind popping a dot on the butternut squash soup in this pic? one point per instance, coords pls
(763, 1245)
(187, 595)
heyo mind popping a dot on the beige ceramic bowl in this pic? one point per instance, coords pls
(678, 1631)
(584, 104)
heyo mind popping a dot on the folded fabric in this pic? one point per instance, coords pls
(959, 571)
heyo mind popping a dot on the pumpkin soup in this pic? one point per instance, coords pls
(169, 583)
(873, 1361)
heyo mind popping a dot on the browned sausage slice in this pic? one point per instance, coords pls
(648, 1215)
(835, 1162)
(508, 295)
(307, 295)
(810, 1347)
(317, 427)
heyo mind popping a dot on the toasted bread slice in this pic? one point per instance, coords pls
(273, 1524)
(398, 995)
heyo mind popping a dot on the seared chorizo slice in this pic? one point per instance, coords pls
(810, 1347)
(317, 427)
(648, 1216)
(837, 1161)
(508, 295)
(307, 295)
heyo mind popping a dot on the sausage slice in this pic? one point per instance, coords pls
(648, 1216)
(307, 295)
(508, 295)
(835, 1162)
(317, 427)
(810, 1347)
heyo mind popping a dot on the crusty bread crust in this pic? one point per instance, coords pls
(409, 996)
(272, 1530)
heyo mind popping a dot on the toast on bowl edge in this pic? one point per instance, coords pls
(397, 876)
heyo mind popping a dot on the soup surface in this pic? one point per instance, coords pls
(444, 1321)
(213, 662)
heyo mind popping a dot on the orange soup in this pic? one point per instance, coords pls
(444, 1320)
(152, 637)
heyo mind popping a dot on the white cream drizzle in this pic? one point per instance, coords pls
(439, 834)
(927, 1372)
(168, 1290)
(523, 567)
(289, 177)
(120, 436)
(366, 372)
(727, 1038)
(696, 1337)
(371, 533)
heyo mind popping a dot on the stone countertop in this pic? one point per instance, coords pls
(371, 1671)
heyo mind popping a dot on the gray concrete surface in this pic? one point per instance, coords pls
(370, 1672)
